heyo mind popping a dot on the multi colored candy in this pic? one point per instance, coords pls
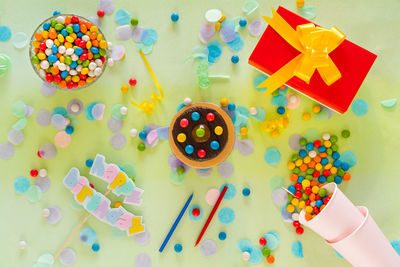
(69, 51)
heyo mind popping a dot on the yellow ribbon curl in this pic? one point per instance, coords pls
(315, 43)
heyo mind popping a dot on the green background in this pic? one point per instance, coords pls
(374, 137)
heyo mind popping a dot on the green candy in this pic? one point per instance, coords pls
(79, 61)
(53, 23)
(309, 177)
(346, 133)
(340, 172)
(322, 192)
(59, 26)
(295, 157)
(180, 170)
(35, 59)
(289, 198)
(296, 170)
(69, 29)
(304, 197)
(275, 93)
(266, 252)
(96, 56)
(141, 147)
(68, 60)
(329, 151)
(86, 63)
(200, 132)
(310, 171)
(330, 179)
(134, 22)
(303, 141)
(335, 147)
(102, 52)
(333, 139)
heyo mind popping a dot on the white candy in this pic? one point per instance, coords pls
(295, 216)
(110, 62)
(49, 43)
(61, 49)
(44, 65)
(312, 154)
(123, 110)
(326, 136)
(133, 132)
(92, 65)
(253, 111)
(62, 66)
(74, 57)
(45, 213)
(69, 51)
(75, 107)
(91, 74)
(56, 63)
(42, 73)
(22, 244)
(73, 72)
(43, 173)
(97, 71)
(109, 45)
(79, 68)
(313, 203)
(98, 62)
(187, 101)
(68, 68)
(245, 256)
(213, 15)
(85, 38)
(60, 19)
(48, 52)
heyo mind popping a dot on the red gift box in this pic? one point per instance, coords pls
(273, 52)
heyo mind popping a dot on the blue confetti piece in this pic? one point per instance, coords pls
(237, 44)
(396, 245)
(243, 111)
(360, 107)
(338, 254)
(226, 215)
(297, 249)
(88, 112)
(279, 100)
(349, 158)
(272, 156)
(286, 216)
(163, 133)
(214, 51)
(191, 216)
(258, 80)
(228, 22)
(88, 236)
(5, 33)
(146, 49)
(255, 255)
(244, 245)
(22, 185)
(180, 106)
(230, 192)
(272, 239)
(149, 36)
(122, 17)
(60, 110)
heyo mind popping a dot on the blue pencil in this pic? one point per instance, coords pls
(178, 219)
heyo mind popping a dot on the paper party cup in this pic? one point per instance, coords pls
(338, 219)
(367, 246)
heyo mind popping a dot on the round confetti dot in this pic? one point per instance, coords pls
(149, 36)
(226, 215)
(142, 238)
(62, 139)
(15, 137)
(118, 140)
(5, 33)
(88, 236)
(272, 238)
(191, 210)
(176, 178)
(67, 256)
(213, 15)
(279, 197)
(349, 158)
(115, 125)
(47, 151)
(246, 192)
(20, 40)
(43, 183)
(222, 236)
(124, 32)
(297, 249)
(360, 107)
(212, 196)
(294, 142)
(214, 51)
(245, 147)
(178, 248)
(272, 156)
(276, 182)
(107, 6)
(58, 121)
(312, 135)
(47, 89)
(4, 64)
(117, 233)
(45, 260)
(204, 172)
(256, 27)
(34, 193)
(389, 104)
(230, 192)
(122, 17)
(54, 215)
(142, 260)
(249, 6)
(21, 185)
(6, 150)
(18, 109)
(308, 12)
(208, 248)
(225, 169)
(43, 117)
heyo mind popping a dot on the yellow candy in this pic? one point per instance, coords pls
(274, 133)
(89, 79)
(327, 143)
(316, 109)
(315, 189)
(88, 44)
(36, 44)
(295, 201)
(99, 37)
(328, 166)
(318, 167)
(181, 137)
(45, 34)
(217, 26)
(218, 130)
(285, 123)
(291, 165)
(124, 88)
(41, 56)
(333, 170)
(69, 39)
(75, 78)
(68, 44)
(224, 102)
(73, 35)
(62, 59)
(290, 208)
(103, 44)
(307, 160)
(298, 162)
(84, 71)
(56, 42)
(60, 38)
(305, 183)
(94, 28)
(117, 204)
(123, 57)
(68, 78)
(306, 116)
(243, 131)
(302, 204)
(309, 209)
(300, 3)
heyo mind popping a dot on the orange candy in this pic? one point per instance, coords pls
(62, 84)
(81, 83)
(95, 43)
(311, 164)
(317, 159)
(90, 55)
(323, 155)
(293, 177)
(83, 28)
(303, 167)
(270, 259)
(322, 207)
(346, 176)
(308, 216)
(311, 197)
(321, 185)
(313, 183)
(67, 20)
(54, 70)
(38, 36)
(88, 24)
(93, 36)
(52, 34)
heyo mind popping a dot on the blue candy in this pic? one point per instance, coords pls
(46, 26)
(54, 49)
(280, 110)
(338, 179)
(79, 34)
(337, 163)
(76, 27)
(214, 145)
(302, 153)
(300, 179)
(189, 149)
(246, 192)
(95, 247)
(321, 149)
(64, 74)
(94, 50)
(322, 179)
(319, 203)
(242, 23)
(345, 166)
(52, 58)
(143, 135)
(178, 248)
(231, 106)
(56, 12)
(222, 236)
(64, 32)
(89, 163)
(174, 17)
(324, 161)
(235, 59)
(78, 51)
(73, 64)
(195, 116)
(335, 155)
(310, 146)
(69, 129)
(292, 189)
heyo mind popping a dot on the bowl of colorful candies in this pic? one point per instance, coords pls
(68, 51)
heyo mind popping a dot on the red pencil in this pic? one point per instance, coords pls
(211, 215)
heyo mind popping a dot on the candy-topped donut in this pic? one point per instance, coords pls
(201, 135)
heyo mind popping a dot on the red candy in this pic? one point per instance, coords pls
(326, 200)
(317, 197)
(74, 19)
(296, 224)
(57, 78)
(316, 210)
(262, 241)
(38, 154)
(83, 57)
(298, 186)
(132, 81)
(196, 212)
(308, 202)
(70, 85)
(316, 174)
(34, 172)
(100, 13)
(77, 41)
(326, 173)
(307, 190)
(317, 143)
(184, 123)
(298, 194)
(42, 46)
(299, 230)
(202, 153)
(82, 44)
(49, 78)
(82, 77)
(210, 117)
(92, 186)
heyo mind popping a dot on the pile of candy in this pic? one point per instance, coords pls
(316, 164)
(69, 51)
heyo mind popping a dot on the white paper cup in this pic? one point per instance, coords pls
(338, 219)
(367, 246)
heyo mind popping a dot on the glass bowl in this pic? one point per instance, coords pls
(37, 68)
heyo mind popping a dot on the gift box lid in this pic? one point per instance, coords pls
(272, 52)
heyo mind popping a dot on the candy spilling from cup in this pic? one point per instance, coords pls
(352, 232)
(68, 51)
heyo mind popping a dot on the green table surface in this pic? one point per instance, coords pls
(374, 137)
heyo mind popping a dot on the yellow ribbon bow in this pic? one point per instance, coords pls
(315, 43)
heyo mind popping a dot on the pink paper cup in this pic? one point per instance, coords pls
(338, 219)
(367, 246)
